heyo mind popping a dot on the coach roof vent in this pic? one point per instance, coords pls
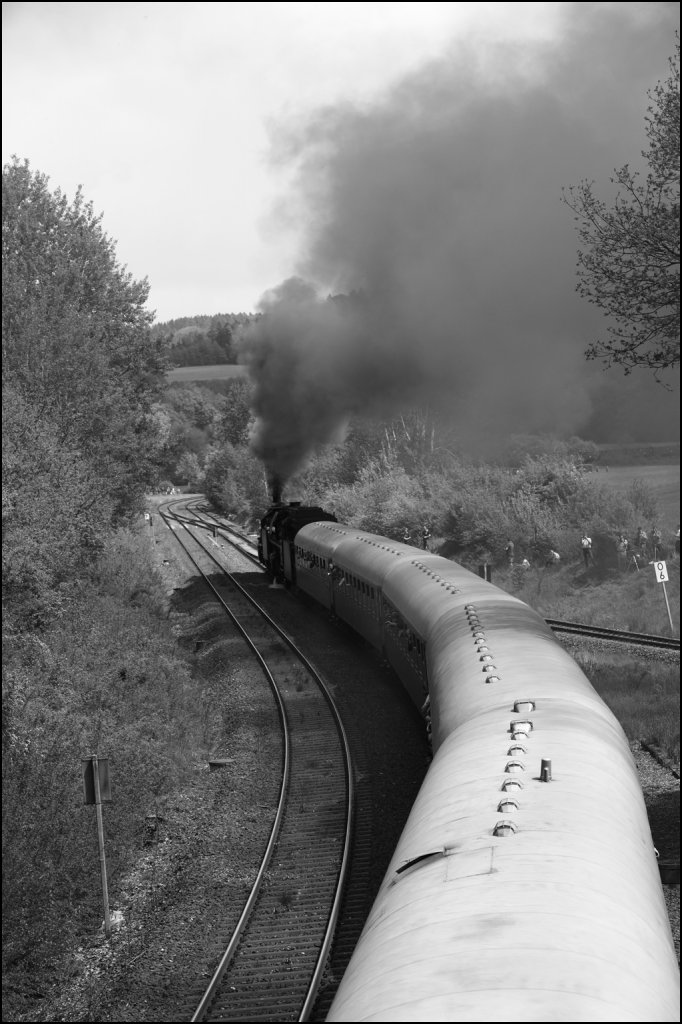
(504, 828)
(523, 707)
(520, 728)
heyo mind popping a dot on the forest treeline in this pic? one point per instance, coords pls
(202, 340)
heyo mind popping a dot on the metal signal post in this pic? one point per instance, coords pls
(96, 786)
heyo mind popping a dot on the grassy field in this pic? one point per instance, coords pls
(654, 453)
(643, 693)
(221, 371)
(663, 482)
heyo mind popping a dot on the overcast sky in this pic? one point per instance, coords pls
(416, 152)
(165, 113)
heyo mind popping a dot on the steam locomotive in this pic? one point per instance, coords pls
(525, 884)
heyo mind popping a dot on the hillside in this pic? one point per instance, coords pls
(202, 340)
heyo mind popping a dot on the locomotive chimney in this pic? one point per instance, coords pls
(276, 491)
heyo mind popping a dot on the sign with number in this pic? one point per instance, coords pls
(661, 571)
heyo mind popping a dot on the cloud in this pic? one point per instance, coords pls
(439, 206)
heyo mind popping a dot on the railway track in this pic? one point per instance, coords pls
(242, 543)
(621, 636)
(273, 961)
(203, 517)
(669, 867)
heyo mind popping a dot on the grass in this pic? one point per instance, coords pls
(220, 371)
(632, 601)
(643, 695)
(640, 453)
(661, 481)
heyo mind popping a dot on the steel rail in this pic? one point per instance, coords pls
(325, 945)
(242, 544)
(622, 636)
(557, 625)
(227, 956)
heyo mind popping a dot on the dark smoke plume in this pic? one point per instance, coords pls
(436, 210)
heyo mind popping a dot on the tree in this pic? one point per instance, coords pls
(54, 505)
(76, 341)
(235, 481)
(630, 263)
(235, 416)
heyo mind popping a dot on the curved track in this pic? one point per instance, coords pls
(205, 518)
(286, 928)
(242, 543)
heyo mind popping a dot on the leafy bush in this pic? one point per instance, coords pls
(521, 447)
(235, 483)
(107, 679)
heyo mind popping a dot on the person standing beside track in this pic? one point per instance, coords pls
(586, 545)
(656, 542)
(622, 551)
(553, 559)
(641, 541)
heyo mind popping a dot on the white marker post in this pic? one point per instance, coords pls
(150, 519)
(661, 570)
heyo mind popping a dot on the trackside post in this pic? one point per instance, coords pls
(661, 570)
(96, 789)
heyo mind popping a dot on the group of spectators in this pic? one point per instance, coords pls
(645, 548)
(423, 539)
(552, 557)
